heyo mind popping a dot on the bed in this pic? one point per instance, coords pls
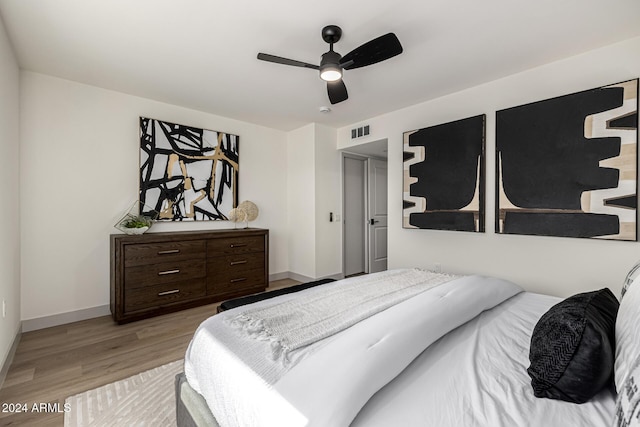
(454, 353)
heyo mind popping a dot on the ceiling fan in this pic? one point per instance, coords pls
(332, 63)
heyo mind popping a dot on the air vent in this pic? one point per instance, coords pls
(360, 132)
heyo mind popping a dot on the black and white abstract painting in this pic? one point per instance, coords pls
(567, 166)
(444, 176)
(187, 173)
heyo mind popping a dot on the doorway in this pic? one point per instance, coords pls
(364, 209)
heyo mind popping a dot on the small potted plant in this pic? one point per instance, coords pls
(137, 220)
(136, 224)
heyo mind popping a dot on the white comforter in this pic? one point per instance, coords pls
(335, 378)
(476, 376)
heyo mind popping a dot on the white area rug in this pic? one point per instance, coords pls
(146, 399)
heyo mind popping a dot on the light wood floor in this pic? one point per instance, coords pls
(54, 363)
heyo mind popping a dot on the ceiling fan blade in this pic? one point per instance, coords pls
(285, 61)
(374, 51)
(337, 91)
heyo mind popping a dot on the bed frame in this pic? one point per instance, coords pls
(191, 408)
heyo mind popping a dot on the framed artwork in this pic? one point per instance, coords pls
(443, 182)
(187, 173)
(567, 166)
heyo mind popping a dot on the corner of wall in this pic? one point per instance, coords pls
(8, 359)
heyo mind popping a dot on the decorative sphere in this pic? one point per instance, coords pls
(250, 209)
(237, 215)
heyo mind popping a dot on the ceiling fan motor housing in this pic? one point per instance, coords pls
(330, 65)
(330, 58)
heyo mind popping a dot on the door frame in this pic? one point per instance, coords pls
(366, 200)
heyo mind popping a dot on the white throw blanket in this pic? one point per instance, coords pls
(316, 315)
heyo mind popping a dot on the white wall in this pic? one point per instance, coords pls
(301, 193)
(9, 191)
(328, 199)
(79, 173)
(553, 265)
(313, 176)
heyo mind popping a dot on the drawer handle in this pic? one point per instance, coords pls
(163, 273)
(173, 291)
(238, 245)
(170, 251)
(244, 261)
(238, 280)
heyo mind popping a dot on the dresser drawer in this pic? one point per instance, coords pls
(165, 272)
(151, 253)
(230, 282)
(235, 245)
(159, 295)
(230, 264)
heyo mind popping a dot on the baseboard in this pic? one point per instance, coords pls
(64, 318)
(299, 277)
(304, 279)
(279, 276)
(12, 351)
(337, 276)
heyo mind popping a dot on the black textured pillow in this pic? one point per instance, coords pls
(572, 347)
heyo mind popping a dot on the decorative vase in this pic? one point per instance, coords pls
(133, 230)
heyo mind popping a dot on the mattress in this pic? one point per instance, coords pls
(475, 375)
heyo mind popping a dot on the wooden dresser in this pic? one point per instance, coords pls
(157, 273)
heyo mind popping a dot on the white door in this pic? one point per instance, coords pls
(355, 215)
(377, 213)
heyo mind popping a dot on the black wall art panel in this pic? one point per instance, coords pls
(187, 173)
(567, 166)
(444, 176)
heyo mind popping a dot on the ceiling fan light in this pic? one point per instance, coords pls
(330, 73)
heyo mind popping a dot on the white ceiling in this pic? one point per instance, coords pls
(201, 54)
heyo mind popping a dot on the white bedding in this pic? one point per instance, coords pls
(336, 377)
(378, 373)
(476, 376)
(323, 312)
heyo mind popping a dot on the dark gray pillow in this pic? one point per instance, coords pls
(572, 347)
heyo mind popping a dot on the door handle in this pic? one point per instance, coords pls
(373, 221)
